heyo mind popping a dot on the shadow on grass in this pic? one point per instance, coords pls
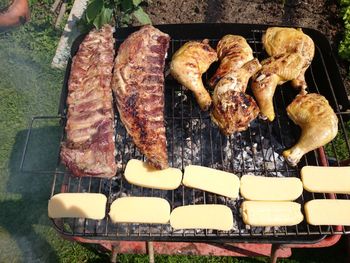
(23, 218)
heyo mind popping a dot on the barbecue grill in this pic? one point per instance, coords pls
(193, 139)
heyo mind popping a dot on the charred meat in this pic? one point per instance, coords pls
(138, 85)
(233, 110)
(89, 149)
(233, 52)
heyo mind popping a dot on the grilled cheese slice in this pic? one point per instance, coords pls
(150, 210)
(82, 205)
(211, 180)
(328, 212)
(326, 179)
(217, 217)
(261, 188)
(270, 213)
(142, 174)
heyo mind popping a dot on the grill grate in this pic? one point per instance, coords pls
(194, 139)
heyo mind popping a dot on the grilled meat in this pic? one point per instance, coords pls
(138, 85)
(281, 40)
(233, 110)
(233, 52)
(89, 149)
(275, 71)
(187, 66)
(318, 123)
(291, 54)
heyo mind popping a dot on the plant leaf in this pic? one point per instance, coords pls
(93, 9)
(142, 16)
(136, 3)
(127, 5)
(103, 18)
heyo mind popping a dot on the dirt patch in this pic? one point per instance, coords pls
(322, 15)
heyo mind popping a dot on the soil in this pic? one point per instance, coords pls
(323, 15)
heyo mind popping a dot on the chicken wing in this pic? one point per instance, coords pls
(279, 40)
(318, 123)
(275, 71)
(233, 110)
(187, 66)
(233, 52)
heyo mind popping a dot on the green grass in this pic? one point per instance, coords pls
(338, 148)
(28, 87)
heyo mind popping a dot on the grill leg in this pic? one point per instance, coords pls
(114, 254)
(150, 251)
(274, 250)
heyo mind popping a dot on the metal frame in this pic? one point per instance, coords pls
(181, 113)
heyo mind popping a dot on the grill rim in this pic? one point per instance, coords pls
(173, 30)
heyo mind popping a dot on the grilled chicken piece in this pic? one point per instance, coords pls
(233, 52)
(291, 54)
(187, 66)
(138, 85)
(233, 110)
(279, 40)
(89, 149)
(318, 123)
(275, 71)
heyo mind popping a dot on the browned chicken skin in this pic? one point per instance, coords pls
(233, 52)
(233, 110)
(318, 123)
(187, 66)
(138, 85)
(275, 71)
(279, 40)
(291, 54)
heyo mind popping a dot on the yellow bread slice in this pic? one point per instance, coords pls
(151, 210)
(328, 212)
(270, 188)
(83, 205)
(217, 217)
(269, 213)
(142, 174)
(326, 179)
(211, 180)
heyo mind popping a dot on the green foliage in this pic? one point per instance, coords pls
(141, 16)
(38, 37)
(338, 148)
(344, 2)
(100, 12)
(344, 46)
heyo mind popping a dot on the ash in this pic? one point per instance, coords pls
(193, 139)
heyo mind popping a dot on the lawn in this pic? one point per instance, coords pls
(29, 87)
